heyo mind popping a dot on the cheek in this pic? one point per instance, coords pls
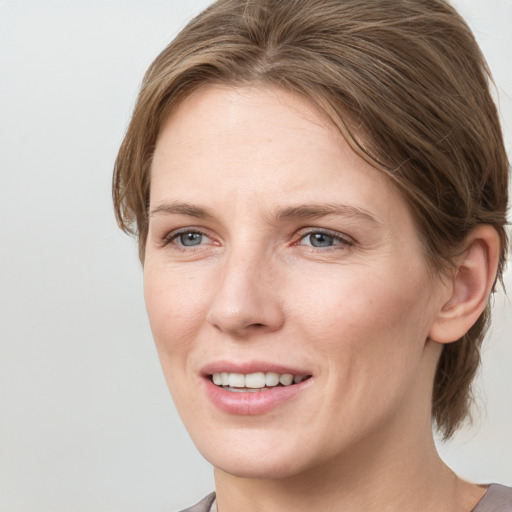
(359, 298)
(175, 315)
(176, 307)
(371, 345)
(372, 322)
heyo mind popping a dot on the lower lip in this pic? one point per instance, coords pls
(252, 403)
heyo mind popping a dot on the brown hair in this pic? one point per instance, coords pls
(407, 86)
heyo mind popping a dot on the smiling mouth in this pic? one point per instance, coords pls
(255, 382)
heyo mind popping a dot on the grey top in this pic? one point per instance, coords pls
(498, 498)
(205, 505)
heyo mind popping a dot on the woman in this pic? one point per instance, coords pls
(319, 190)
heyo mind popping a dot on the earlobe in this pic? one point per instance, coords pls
(470, 286)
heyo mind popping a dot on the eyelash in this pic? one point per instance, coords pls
(341, 240)
(173, 236)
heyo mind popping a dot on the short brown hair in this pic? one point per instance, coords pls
(403, 80)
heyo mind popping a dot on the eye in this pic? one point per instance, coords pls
(187, 238)
(323, 239)
(319, 240)
(190, 238)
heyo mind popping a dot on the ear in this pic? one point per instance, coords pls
(469, 286)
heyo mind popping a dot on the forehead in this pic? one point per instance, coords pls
(216, 117)
(261, 144)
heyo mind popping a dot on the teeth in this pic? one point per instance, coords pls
(254, 381)
(236, 380)
(286, 379)
(271, 379)
(242, 390)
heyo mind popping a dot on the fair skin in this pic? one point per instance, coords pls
(273, 247)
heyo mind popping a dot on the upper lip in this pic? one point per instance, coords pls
(247, 367)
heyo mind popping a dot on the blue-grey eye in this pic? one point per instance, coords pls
(321, 240)
(190, 238)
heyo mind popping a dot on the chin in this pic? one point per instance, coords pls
(258, 468)
(260, 456)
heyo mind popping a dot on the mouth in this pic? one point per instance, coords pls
(255, 382)
(254, 387)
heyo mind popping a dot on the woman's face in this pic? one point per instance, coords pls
(276, 253)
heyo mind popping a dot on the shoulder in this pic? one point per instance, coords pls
(203, 506)
(498, 498)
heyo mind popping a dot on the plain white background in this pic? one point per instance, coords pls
(86, 423)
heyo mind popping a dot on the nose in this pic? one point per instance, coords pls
(247, 298)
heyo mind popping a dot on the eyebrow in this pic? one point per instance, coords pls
(182, 209)
(316, 211)
(304, 211)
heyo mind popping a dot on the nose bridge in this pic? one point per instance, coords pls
(244, 297)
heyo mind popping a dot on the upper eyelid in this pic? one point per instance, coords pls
(186, 229)
(335, 234)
